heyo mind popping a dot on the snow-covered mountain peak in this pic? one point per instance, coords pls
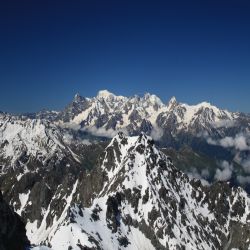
(127, 159)
(77, 95)
(118, 150)
(172, 101)
(202, 106)
(153, 99)
(121, 144)
(78, 98)
(110, 99)
(131, 141)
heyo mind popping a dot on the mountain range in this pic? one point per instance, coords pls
(169, 178)
(148, 114)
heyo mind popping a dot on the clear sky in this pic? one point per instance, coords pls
(194, 50)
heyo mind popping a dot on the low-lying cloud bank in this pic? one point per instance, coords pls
(246, 164)
(201, 176)
(224, 124)
(103, 132)
(110, 133)
(240, 142)
(70, 125)
(156, 133)
(225, 173)
(240, 147)
(243, 180)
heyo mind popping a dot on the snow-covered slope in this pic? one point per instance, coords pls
(23, 140)
(136, 199)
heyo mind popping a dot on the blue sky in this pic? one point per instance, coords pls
(195, 50)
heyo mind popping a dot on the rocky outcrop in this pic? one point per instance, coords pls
(12, 229)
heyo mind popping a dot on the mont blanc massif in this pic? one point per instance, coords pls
(113, 172)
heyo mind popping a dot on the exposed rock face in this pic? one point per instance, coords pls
(134, 198)
(12, 229)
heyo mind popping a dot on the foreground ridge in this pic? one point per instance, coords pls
(134, 198)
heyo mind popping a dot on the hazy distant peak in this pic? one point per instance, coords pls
(78, 97)
(153, 99)
(172, 102)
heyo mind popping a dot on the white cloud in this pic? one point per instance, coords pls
(239, 142)
(194, 174)
(225, 173)
(211, 141)
(203, 134)
(243, 179)
(246, 164)
(224, 123)
(156, 133)
(110, 133)
(70, 125)
(205, 173)
(227, 142)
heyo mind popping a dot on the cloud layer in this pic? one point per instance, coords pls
(110, 133)
(224, 124)
(240, 146)
(195, 174)
(225, 173)
(156, 133)
(239, 142)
